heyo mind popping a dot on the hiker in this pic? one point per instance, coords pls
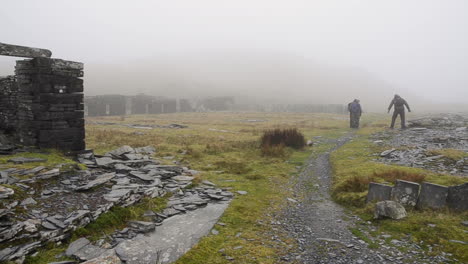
(355, 112)
(398, 109)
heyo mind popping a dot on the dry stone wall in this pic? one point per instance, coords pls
(42, 104)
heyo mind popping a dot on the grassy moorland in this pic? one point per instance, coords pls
(354, 168)
(225, 147)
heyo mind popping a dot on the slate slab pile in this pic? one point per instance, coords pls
(58, 203)
(414, 147)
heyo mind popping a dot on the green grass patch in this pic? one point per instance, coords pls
(354, 167)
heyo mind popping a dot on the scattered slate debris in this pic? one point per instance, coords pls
(121, 177)
(138, 126)
(417, 146)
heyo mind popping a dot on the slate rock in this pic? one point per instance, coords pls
(3, 177)
(117, 194)
(6, 192)
(142, 226)
(378, 192)
(48, 174)
(405, 193)
(175, 239)
(131, 156)
(76, 216)
(143, 176)
(170, 212)
(56, 222)
(104, 161)
(145, 150)
(432, 196)
(457, 197)
(108, 257)
(28, 201)
(387, 152)
(182, 178)
(88, 252)
(389, 209)
(76, 245)
(122, 167)
(242, 192)
(120, 151)
(34, 170)
(48, 225)
(101, 179)
(23, 250)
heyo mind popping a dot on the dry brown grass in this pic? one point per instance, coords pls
(360, 183)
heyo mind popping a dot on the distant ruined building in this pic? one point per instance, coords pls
(42, 104)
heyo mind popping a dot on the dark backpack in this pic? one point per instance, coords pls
(354, 107)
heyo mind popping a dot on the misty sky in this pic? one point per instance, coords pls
(419, 46)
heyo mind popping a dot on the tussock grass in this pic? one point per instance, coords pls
(289, 137)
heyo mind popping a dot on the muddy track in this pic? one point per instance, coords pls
(322, 228)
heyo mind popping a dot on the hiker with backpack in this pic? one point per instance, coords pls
(355, 112)
(398, 104)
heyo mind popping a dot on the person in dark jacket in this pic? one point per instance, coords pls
(398, 104)
(355, 112)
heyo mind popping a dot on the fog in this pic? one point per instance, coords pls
(320, 51)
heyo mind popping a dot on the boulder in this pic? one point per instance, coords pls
(432, 196)
(378, 192)
(405, 193)
(389, 209)
(457, 197)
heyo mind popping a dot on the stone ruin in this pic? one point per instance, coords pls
(426, 195)
(115, 105)
(42, 104)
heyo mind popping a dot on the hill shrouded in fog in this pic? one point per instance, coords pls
(267, 78)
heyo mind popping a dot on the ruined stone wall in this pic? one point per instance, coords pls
(50, 103)
(185, 106)
(8, 103)
(104, 105)
(42, 104)
(311, 108)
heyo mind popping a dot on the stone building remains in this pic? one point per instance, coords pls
(42, 104)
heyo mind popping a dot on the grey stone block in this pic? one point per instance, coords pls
(378, 192)
(405, 192)
(432, 196)
(458, 197)
(390, 209)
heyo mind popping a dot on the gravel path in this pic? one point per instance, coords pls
(322, 228)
